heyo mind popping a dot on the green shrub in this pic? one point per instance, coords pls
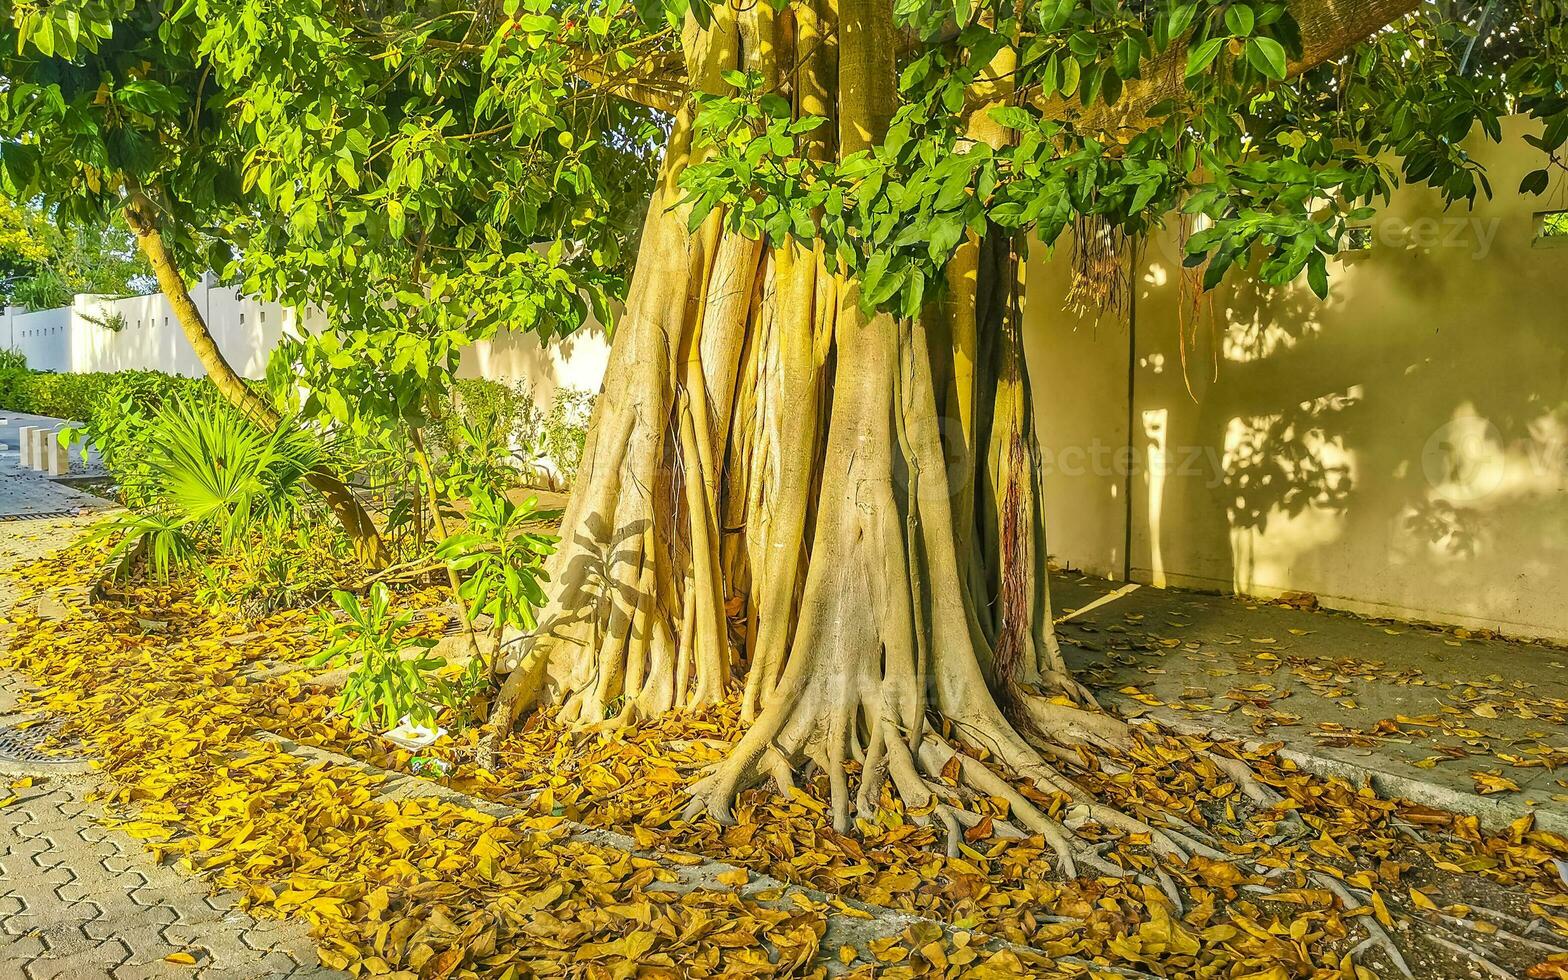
(114, 409)
(64, 396)
(566, 429)
(86, 398)
(505, 410)
(13, 379)
(119, 421)
(507, 413)
(385, 685)
(204, 472)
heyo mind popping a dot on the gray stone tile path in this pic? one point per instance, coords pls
(81, 902)
(78, 901)
(25, 493)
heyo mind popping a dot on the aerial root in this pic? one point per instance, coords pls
(944, 788)
(1500, 933)
(1473, 956)
(1376, 934)
(1069, 687)
(1525, 927)
(1054, 725)
(935, 756)
(1083, 809)
(1242, 775)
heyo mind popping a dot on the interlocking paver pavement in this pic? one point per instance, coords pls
(81, 902)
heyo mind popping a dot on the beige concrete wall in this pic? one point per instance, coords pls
(1078, 372)
(577, 361)
(1400, 449)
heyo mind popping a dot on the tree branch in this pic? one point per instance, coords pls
(647, 83)
(1329, 28)
(644, 87)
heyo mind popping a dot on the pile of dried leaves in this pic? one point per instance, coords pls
(172, 698)
(159, 691)
(1405, 865)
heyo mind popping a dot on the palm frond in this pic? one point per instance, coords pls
(214, 467)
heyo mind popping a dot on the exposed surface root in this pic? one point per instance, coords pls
(1235, 907)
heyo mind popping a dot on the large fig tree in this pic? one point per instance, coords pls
(813, 476)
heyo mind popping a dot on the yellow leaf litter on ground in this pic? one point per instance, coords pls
(400, 889)
(432, 890)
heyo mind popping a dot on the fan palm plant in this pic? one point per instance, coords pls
(209, 470)
(217, 469)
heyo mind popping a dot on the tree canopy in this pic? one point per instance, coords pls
(44, 261)
(372, 168)
(429, 172)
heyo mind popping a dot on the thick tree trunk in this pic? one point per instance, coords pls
(142, 216)
(763, 448)
(862, 491)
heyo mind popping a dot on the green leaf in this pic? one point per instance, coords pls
(1054, 14)
(1239, 19)
(1071, 71)
(1143, 195)
(1267, 56)
(1181, 19)
(1012, 117)
(1317, 274)
(1202, 56)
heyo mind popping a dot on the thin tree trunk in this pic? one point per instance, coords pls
(141, 214)
(453, 578)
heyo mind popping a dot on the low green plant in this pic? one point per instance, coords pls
(503, 419)
(204, 470)
(119, 420)
(565, 429)
(115, 410)
(507, 408)
(214, 467)
(393, 677)
(13, 378)
(161, 541)
(61, 396)
(482, 460)
(293, 567)
(501, 560)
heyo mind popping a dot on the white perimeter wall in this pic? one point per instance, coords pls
(73, 338)
(44, 337)
(577, 361)
(246, 330)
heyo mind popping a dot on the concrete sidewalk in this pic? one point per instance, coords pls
(30, 493)
(1439, 716)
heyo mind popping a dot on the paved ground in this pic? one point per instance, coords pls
(1415, 703)
(78, 902)
(26, 493)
